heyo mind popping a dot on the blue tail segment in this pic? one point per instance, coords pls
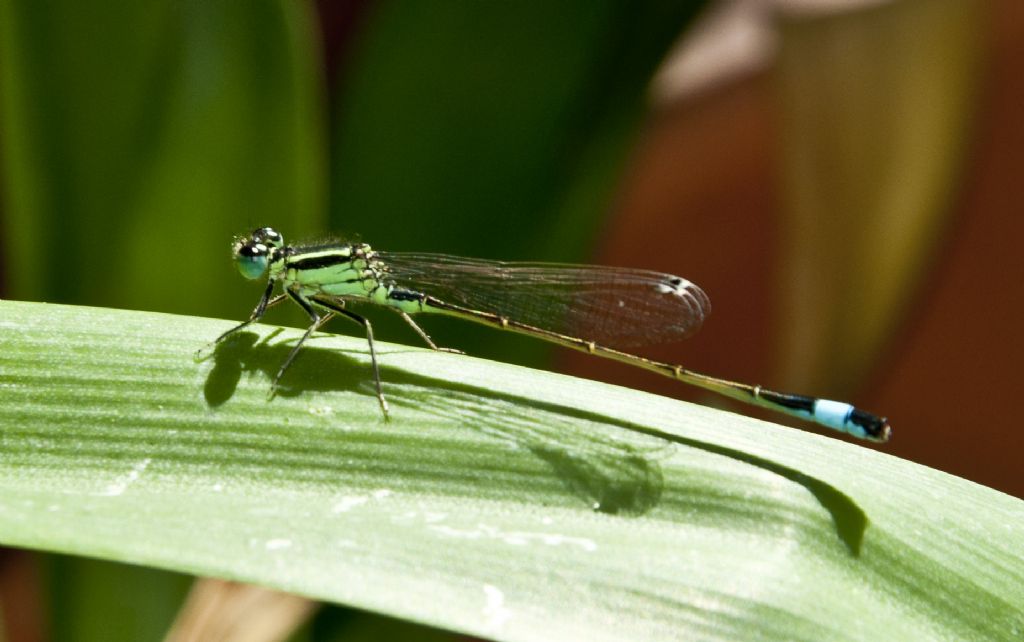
(830, 414)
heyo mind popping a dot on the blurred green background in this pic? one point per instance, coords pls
(841, 182)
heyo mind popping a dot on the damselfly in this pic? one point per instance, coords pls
(613, 307)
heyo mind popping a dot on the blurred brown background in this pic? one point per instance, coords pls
(841, 176)
(703, 190)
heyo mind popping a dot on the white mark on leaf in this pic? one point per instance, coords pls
(321, 411)
(495, 612)
(124, 481)
(277, 544)
(345, 504)
(516, 538)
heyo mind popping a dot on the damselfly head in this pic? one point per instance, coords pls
(253, 253)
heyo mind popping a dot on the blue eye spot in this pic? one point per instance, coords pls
(251, 260)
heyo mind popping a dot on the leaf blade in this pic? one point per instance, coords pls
(474, 509)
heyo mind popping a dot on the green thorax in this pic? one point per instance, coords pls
(347, 270)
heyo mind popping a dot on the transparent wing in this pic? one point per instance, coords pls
(611, 306)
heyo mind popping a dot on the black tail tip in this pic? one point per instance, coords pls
(884, 432)
(873, 427)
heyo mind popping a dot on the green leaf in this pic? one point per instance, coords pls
(131, 125)
(499, 501)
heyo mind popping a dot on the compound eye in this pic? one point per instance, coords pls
(268, 236)
(252, 260)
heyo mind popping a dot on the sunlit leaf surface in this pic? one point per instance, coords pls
(503, 502)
